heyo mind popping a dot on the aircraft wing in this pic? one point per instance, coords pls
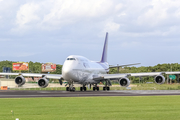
(117, 76)
(147, 74)
(124, 80)
(52, 76)
(173, 73)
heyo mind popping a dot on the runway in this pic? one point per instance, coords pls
(33, 94)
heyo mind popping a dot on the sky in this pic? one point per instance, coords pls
(140, 31)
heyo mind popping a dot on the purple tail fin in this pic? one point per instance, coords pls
(104, 54)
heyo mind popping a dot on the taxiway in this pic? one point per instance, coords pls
(27, 94)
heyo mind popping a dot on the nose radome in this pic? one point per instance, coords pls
(66, 70)
(67, 73)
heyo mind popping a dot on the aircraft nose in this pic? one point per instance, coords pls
(67, 73)
(66, 70)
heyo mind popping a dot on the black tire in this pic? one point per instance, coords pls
(97, 88)
(67, 88)
(94, 88)
(74, 89)
(108, 88)
(81, 88)
(84, 88)
(104, 88)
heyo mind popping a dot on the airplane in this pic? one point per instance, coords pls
(80, 70)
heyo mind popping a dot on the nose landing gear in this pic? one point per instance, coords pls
(70, 88)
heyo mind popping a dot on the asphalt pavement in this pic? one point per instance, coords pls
(33, 94)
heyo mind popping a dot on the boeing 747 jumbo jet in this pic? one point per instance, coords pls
(80, 70)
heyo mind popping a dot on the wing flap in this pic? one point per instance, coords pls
(146, 74)
(168, 73)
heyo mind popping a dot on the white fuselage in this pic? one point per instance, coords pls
(81, 70)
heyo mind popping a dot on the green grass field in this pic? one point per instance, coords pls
(91, 108)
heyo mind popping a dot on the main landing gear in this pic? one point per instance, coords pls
(106, 88)
(95, 88)
(107, 84)
(83, 88)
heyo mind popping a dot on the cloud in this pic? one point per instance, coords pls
(111, 27)
(27, 14)
(72, 11)
(59, 13)
(65, 26)
(26, 17)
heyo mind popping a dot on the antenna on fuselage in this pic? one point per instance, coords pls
(104, 54)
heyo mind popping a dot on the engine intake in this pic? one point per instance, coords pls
(43, 82)
(160, 79)
(20, 80)
(124, 82)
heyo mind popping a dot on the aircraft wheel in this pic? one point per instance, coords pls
(94, 88)
(81, 88)
(108, 88)
(73, 89)
(67, 88)
(84, 88)
(97, 88)
(104, 88)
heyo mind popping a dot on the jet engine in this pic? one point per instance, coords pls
(20, 80)
(43, 82)
(124, 82)
(160, 79)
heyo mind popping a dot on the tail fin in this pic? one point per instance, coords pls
(104, 54)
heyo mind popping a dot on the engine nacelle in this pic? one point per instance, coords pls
(160, 79)
(20, 80)
(43, 82)
(124, 82)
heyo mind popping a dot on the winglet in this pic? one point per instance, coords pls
(104, 54)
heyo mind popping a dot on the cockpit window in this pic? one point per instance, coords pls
(71, 59)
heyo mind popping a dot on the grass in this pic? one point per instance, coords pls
(157, 87)
(92, 108)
